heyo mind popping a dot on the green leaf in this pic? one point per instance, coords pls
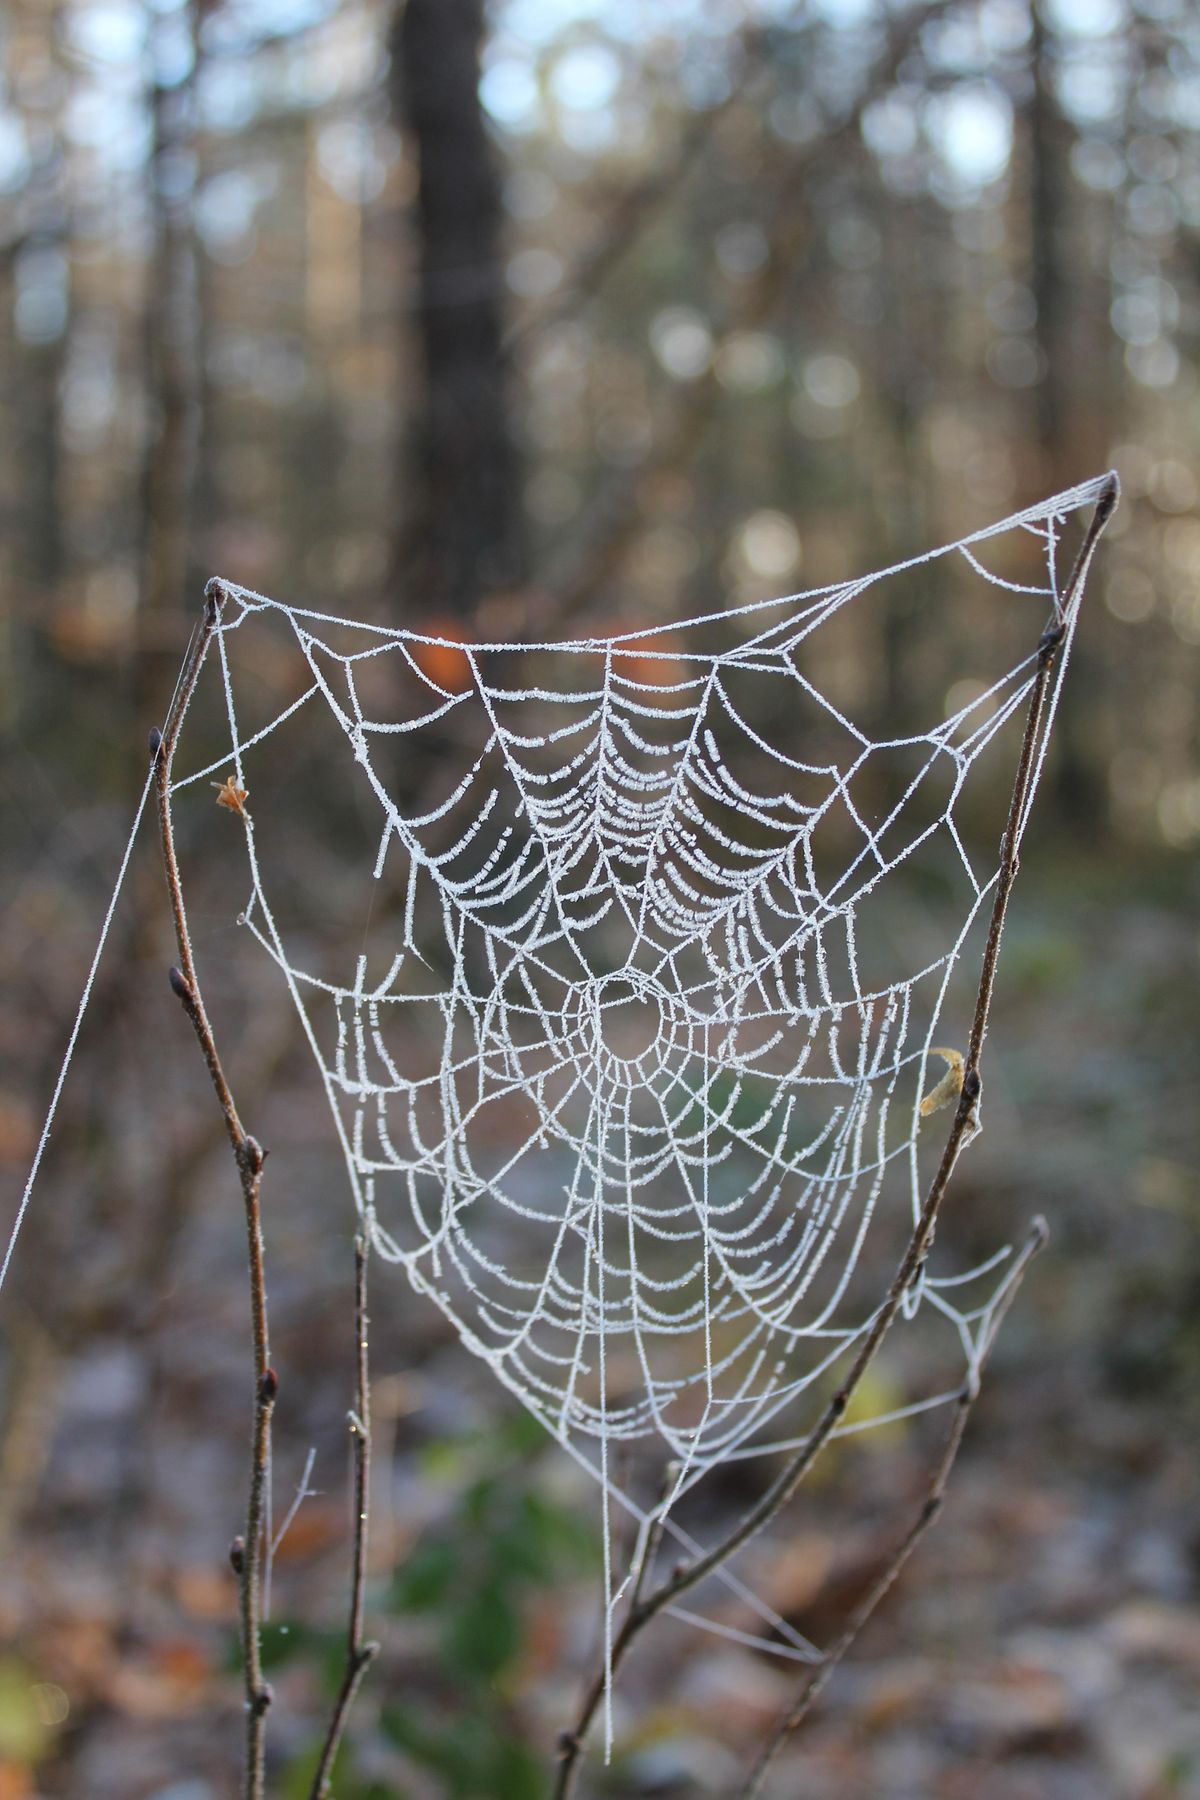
(297, 1779)
(522, 1436)
(24, 1734)
(459, 1754)
(484, 1634)
(442, 1460)
(517, 1773)
(482, 1498)
(423, 1582)
(281, 1642)
(569, 1538)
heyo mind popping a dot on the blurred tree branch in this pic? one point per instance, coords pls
(601, 540)
(628, 215)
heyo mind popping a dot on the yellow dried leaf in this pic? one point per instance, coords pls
(949, 1087)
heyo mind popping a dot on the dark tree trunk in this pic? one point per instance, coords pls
(172, 385)
(460, 536)
(1047, 162)
(37, 397)
(1065, 456)
(46, 558)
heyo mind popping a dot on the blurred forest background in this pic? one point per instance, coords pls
(549, 317)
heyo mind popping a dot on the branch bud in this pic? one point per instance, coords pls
(1048, 643)
(215, 596)
(254, 1154)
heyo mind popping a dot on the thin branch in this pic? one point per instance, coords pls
(638, 1571)
(654, 1535)
(964, 1125)
(931, 1506)
(247, 1553)
(359, 1654)
(303, 1492)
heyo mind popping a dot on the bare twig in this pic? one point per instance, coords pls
(250, 1554)
(931, 1506)
(303, 1492)
(654, 1535)
(359, 1654)
(246, 1554)
(687, 1575)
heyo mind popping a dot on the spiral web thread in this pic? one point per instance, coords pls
(617, 1078)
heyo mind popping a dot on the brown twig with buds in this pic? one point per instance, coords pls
(247, 1550)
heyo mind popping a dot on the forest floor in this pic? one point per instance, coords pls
(1043, 1644)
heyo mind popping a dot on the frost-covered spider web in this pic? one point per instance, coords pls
(628, 1068)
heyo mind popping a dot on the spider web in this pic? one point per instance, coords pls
(629, 1068)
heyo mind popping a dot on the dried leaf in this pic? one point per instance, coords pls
(949, 1087)
(231, 795)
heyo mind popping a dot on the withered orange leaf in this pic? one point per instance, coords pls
(231, 795)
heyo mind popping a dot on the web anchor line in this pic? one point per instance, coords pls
(631, 1063)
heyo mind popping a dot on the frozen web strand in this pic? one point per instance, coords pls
(72, 1041)
(628, 1070)
(60, 1079)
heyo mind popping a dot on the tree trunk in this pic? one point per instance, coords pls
(172, 384)
(460, 536)
(1080, 789)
